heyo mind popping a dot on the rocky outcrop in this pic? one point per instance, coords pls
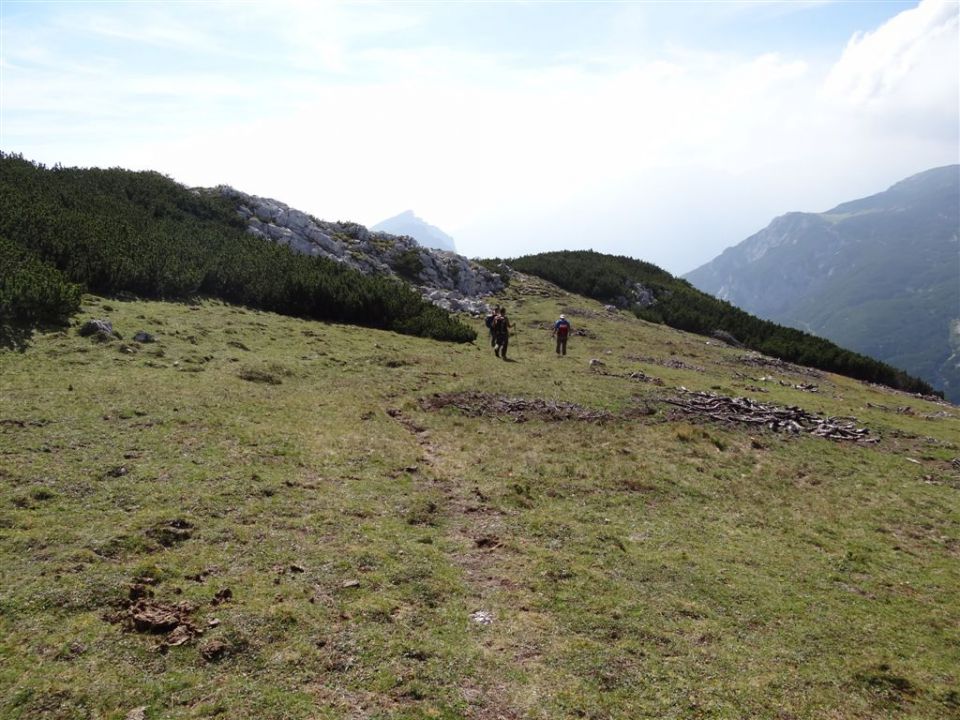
(444, 278)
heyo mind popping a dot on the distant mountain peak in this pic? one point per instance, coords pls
(876, 274)
(408, 223)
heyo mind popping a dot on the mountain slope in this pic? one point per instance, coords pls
(406, 223)
(119, 231)
(655, 295)
(880, 275)
(261, 517)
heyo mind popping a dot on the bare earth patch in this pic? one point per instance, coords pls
(146, 615)
(479, 404)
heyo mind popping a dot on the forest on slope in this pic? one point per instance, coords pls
(877, 275)
(65, 230)
(655, 295)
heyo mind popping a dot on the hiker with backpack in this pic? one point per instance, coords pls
(561, 329)
(501, 333)
(489, 323)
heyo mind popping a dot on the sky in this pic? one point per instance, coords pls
(662, 131)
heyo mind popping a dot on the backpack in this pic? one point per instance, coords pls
(563, 327)
(500, 325)
(489, 321)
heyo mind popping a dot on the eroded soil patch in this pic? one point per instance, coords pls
(479, 404)
(143, 614)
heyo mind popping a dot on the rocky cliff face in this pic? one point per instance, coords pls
(444, 278)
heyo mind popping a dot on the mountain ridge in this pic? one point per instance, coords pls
(877, 274)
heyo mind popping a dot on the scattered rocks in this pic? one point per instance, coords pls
(482, 617)
(223, 595)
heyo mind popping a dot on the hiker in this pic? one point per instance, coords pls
(489, 323)
(501, 333)
(561, 329)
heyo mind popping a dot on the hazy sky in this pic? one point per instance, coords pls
(663, 131)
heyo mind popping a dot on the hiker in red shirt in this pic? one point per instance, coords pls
(561, 329)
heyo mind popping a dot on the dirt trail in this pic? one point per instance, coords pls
(474, 527)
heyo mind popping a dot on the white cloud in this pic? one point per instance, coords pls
(329, 108)
(913, 58)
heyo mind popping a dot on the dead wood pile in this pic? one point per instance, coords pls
(793, 420)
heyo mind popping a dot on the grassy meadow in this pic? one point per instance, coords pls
(332, 547)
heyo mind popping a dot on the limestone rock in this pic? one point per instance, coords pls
(98, 328)
(444, 278)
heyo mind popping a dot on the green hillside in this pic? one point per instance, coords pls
(117, 231)
(878, 275)
(614, 279)
(260, 517)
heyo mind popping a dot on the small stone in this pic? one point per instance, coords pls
(482, 617)
(143, 337)
(350, 584)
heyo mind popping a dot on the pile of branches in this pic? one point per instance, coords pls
(479, 404)
(792, 420)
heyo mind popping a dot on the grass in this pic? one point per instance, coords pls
(650, 566)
